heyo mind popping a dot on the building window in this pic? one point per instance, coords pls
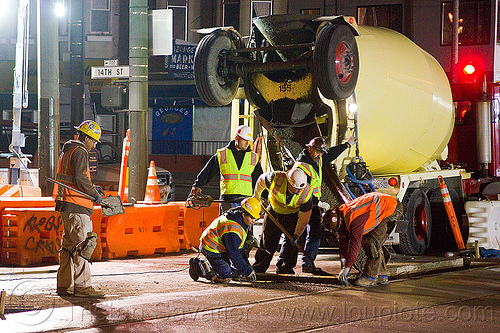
(474, 22)
(180, 16)
(231, 13)
(99, 17)
(385, 16)
(311, 11)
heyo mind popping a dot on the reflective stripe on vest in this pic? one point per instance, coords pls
(232, 180)
(316, 178)
(65, 175)
(277, 197)
(378, 205)
(211, 238)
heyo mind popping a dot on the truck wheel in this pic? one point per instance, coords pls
(416, 238)
(442, 235)
(216, 86)
(336, 61)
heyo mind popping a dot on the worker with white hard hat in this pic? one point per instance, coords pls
(237, 166)
(290, 202)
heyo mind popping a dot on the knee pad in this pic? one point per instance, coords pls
(88, 246)
(205, 269)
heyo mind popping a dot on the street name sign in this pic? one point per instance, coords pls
(109, 72)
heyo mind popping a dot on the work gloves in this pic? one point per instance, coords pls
(344, 272)
(351, 141)
(324, 205)
(252, 276)
(99, 190)
(98, 199)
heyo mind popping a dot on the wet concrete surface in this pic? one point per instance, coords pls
(157, 295)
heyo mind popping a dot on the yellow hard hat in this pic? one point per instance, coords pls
(252, 206)
(90, 128)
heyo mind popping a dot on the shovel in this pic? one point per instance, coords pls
(111, 205)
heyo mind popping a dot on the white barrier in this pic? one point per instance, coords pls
(484, 223)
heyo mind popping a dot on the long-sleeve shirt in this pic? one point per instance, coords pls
(232, 242)
(350, 240)
(212, 169)
(331, 154)
(78, 164)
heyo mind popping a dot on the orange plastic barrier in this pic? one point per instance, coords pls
(194, 221)
(13, 202)
(19, 191)
(142, 230)
(33, 235)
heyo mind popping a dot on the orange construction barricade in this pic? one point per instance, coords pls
(33, 235)
(142, 230)
(194, 221)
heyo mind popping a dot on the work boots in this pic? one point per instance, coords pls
(88, 292)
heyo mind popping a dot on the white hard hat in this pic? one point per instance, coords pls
(244, 132)
(297, 178)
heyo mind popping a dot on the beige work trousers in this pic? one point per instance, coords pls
(73, 270)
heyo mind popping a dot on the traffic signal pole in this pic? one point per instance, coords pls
(138, 98)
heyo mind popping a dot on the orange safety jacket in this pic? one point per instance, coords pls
(232, 180)
(378, 205)
(65, 175)
(211, 238)
(277, 197)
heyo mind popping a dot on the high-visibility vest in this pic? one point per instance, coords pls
(378, 204)
(277, 197)
(65, 175)
(211, 238)
(232, 180)
(316, 177)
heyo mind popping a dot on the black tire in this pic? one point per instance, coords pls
(336, 53)
(214, 84)
(416, 238)
(442, 236)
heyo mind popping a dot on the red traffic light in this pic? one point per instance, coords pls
(469, 69)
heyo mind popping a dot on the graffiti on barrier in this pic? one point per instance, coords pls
(50, 246)
(43, 223)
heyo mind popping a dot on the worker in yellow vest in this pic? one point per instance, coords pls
(237, 166)
(365, 221)
(75, 209)
(311, 160)
(223, 244)
(290, 203)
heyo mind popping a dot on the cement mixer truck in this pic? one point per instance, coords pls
(308, 76)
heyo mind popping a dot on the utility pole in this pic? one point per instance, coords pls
(138, 98)
(77, 62)
(48, 93)
(454, 41)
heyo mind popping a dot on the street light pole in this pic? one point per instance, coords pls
(48, 93)
(138, 98)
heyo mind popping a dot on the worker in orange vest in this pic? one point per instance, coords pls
(75, 210)
(365, 221)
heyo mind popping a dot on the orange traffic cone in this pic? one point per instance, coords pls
(152, 189)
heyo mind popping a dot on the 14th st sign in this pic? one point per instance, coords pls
(109, 72)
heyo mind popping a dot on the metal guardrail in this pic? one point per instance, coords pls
(178, 147)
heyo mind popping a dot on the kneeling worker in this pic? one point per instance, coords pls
(366, 221)
(223, 243)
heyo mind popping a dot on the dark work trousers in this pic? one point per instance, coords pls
(373, 241)
(271, 235)
(313, 238)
